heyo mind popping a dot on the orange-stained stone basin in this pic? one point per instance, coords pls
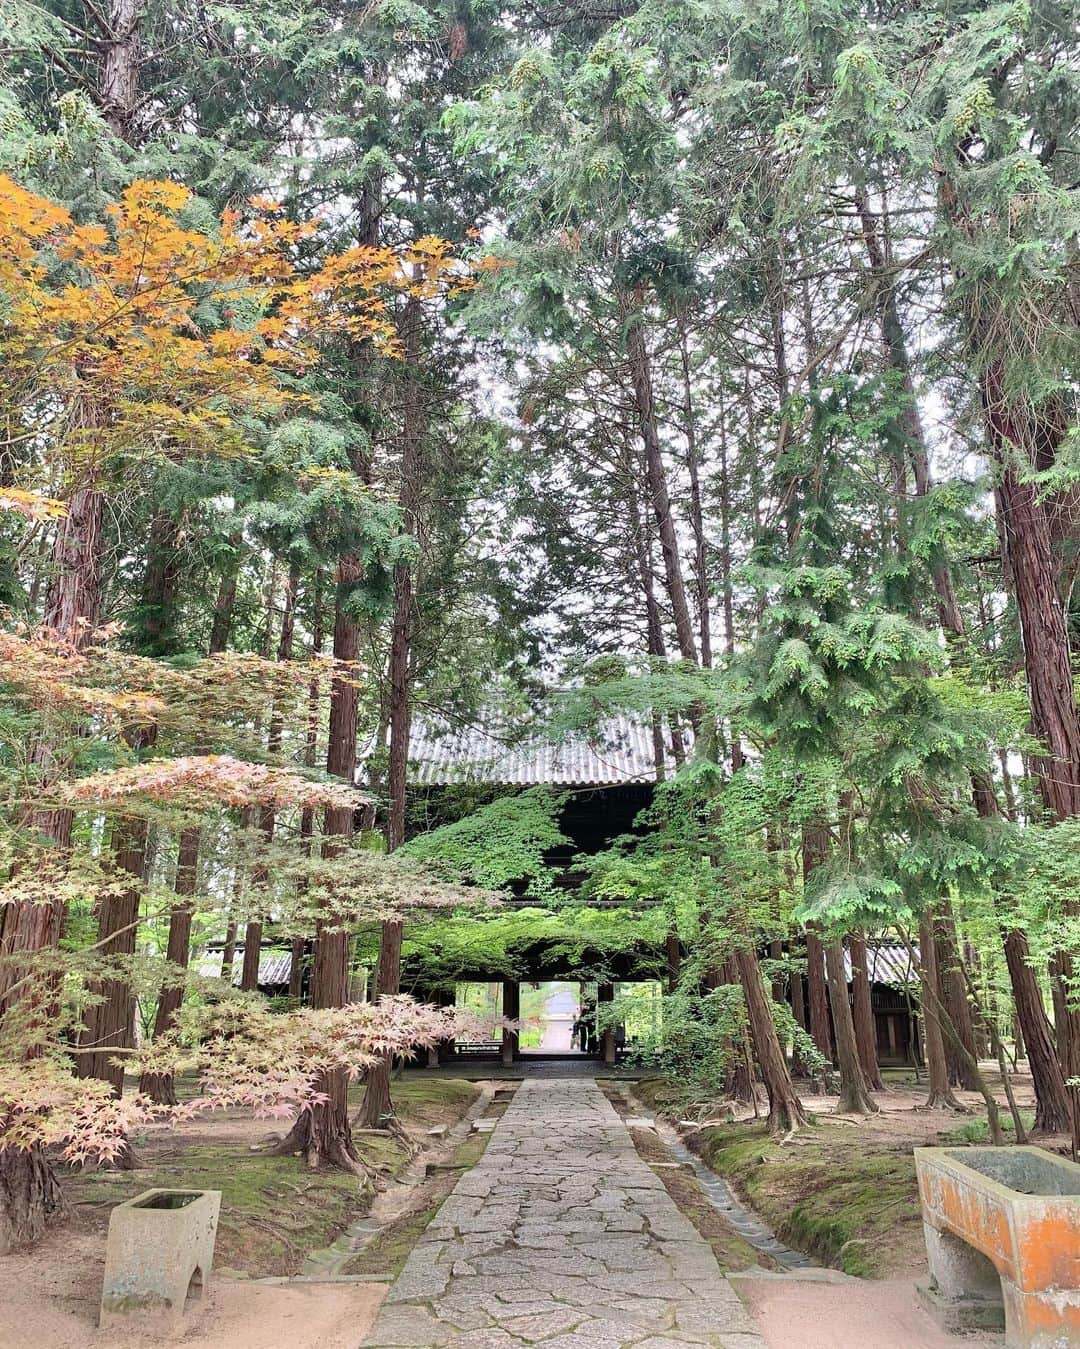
(1002, 1230)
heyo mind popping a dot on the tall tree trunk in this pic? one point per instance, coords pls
(120, 68)
(378, 1105)
(30, 1196)
(739, 1075)
(109, 1024)
(110, 1021)
(656, 647)
(225, 599)
(863, 1010)
(302, 946)
(249, 976)
(937, 1067)
(641, 375)
(786, 1112)
(673, 952)
(323, 1133)
(855, 1098)
(1052, 1111)
(1025, 434)
(798, 1011)
(697, 518)
(727, 588)
(161, 1087)
(228, 951)
(956, 999)
(1047, 661)
(817, 993)
(815, 848)
(1035, 565)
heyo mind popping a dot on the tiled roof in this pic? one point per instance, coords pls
(887, 963)
(274, 965)
(491, 751)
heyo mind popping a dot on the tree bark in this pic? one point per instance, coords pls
(253, 934)
(817, 999)
(377, 1105)
(863, 1013)
(954, 990)
(855, 1098)
(739, 1076)
(937, 1067)
(1047, 657)
(815, 848)
(640, 373)
(697, 518)
(161, 1087)
(1026, 532)
(110, 1022)
(30, 1198)
(1052, 1112)
(225, 600)
(323, 1133)
(673, 952)
(120, 68)
(786, 1112)
(29, 1192)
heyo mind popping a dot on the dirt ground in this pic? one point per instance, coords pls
(53, 1304)
(848, 1314)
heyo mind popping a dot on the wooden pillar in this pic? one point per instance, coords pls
(511, 1009)
(606, 993)
(445, 1049)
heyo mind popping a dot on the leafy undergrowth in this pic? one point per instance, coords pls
(274, 1211)
(978, 1130)
(833, 1192)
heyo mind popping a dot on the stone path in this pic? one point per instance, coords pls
(562, 1236)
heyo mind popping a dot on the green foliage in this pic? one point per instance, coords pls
(502, 845)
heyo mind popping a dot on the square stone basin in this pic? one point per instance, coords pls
(160, 1250)
(1002, 1227)
(1022, 1170)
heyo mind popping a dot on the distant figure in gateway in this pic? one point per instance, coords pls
(583, 1033)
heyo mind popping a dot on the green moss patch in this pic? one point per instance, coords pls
(274, 1210)
(856, 1209)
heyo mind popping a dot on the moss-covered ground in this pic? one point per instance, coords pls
(384, 1256)
(835, 1191)
(274, 1210)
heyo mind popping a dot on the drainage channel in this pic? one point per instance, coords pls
(723, 1198)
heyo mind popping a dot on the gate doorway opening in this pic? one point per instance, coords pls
(550, 1016)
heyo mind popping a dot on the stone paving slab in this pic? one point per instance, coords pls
(562, 1236)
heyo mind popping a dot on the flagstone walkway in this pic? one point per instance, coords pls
(562, 1236)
